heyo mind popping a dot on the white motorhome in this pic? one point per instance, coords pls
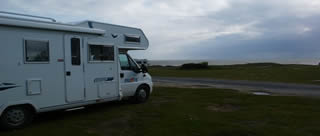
(45, 66)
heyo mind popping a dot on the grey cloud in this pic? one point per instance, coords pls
(272, 45)
(209, 29)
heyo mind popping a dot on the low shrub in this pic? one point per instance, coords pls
(202, 65)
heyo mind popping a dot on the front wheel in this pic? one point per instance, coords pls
(142, 94)
(16, 117)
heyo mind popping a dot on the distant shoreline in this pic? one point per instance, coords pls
(229, 62)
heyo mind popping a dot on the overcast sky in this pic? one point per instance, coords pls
(200, 29)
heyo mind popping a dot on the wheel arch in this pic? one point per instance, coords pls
(146, 85)
(29, 106)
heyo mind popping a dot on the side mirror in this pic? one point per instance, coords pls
(144, 68)
(137, 70)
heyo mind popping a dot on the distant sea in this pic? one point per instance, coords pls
(232, 62)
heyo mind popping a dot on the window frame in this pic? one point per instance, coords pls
(131, 35)
(101, 44)
(25, 51)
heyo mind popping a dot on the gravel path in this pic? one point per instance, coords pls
(241, 85)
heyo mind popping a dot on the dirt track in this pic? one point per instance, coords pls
(246, 86)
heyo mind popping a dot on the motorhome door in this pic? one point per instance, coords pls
(74, 74)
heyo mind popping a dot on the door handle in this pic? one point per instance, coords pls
(121, 75)
(68, 73)
(109, 79)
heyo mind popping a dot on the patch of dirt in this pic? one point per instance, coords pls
(261, 93)
(222, 108)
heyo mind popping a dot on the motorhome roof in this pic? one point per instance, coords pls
(38, 24)
(86, 22)
(128, 38)
(120, 32)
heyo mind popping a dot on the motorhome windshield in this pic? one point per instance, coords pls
(126, 62)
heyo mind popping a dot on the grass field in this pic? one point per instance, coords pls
(186, 112)
(258, 72)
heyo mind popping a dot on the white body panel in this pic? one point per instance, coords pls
(48, 86)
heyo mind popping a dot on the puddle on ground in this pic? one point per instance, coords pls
(200, 86)
(261, 93)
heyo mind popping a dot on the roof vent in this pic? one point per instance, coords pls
(132, 38)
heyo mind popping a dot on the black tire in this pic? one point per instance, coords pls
(142, 94)
(16, 117)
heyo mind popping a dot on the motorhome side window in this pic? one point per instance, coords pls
(101, 53)
(132, 38)
(36, 51)
(75, 51)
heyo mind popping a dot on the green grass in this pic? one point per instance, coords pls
(186, 112)
(258, 72)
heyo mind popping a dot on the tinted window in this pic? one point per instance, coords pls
(101, 53)
(36, 51)
(124, 62)
(135, 39)
(75, 51)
